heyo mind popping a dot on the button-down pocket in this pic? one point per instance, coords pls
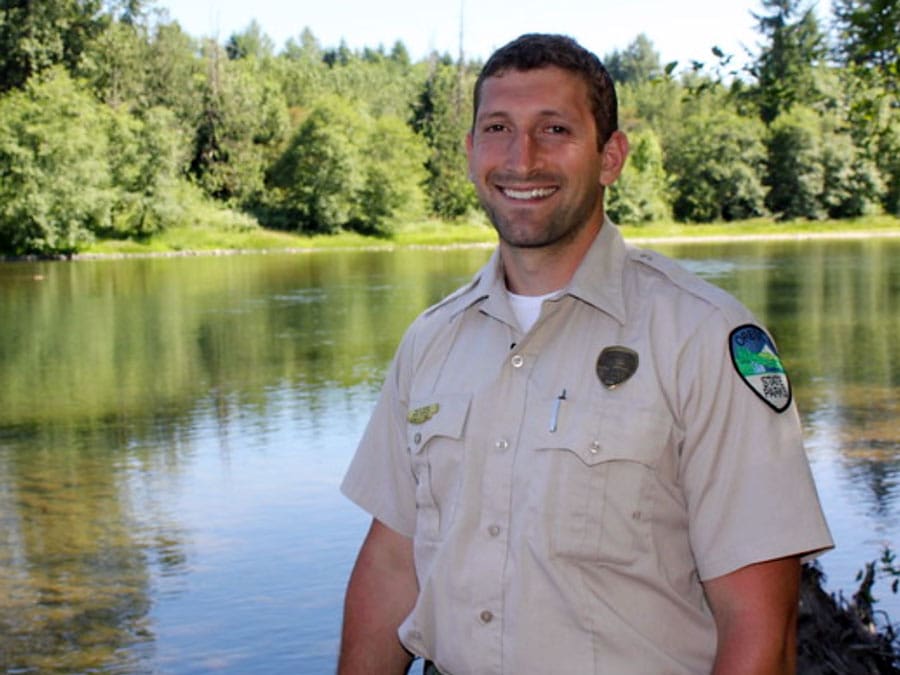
(435, 438)
(600, 478)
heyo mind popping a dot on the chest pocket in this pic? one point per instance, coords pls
(435, 440)
(602, 476)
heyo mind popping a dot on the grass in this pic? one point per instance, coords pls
(248, 237)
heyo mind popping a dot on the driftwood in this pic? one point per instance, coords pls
(841, 637)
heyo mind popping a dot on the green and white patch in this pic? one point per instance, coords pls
(756, 361)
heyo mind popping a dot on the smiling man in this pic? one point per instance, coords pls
(586, 460)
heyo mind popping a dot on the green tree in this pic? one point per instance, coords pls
(660, 104)
(301, 70)
(868, 32)
(442, 116)
(243, 124)
(641, 194)
(57, 188)
(252, 42)
(344, 169)
(37, 35)
(889, 165)
(394, 174)
(115, 64)
(314, 185)
(852, 183)
(175, 77)
(796, 176)
(381, 85)
(637, 63)
(145, 170)
(717, 163)
(785, 68)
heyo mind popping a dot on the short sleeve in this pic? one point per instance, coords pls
(748, 485)
(379, 478)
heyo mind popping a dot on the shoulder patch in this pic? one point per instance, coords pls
(756, 361)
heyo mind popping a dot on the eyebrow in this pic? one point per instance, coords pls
(503, 114)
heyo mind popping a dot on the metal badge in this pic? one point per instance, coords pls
(423, 414)
(615, 365)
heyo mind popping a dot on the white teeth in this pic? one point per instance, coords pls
(536, 193)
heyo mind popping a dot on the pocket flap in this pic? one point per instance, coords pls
(619, 433)
(442, 415)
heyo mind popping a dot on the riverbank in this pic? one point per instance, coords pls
(207, 240)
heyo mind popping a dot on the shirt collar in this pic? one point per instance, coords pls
(597, 281)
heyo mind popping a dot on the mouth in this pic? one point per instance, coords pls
(527, 194)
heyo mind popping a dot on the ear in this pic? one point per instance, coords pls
(613, 154)
(469, 145)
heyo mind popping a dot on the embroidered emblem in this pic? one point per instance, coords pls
(615, 365)
(757, 362)
(423, 414)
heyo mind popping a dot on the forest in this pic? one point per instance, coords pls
(116, 124)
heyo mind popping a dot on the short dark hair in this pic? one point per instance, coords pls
(538, 50)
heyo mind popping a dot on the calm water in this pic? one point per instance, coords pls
(172, 433)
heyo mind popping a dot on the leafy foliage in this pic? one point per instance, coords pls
(110, 110)
(343, 169)
(640, 195)
(57, 186)
(442, 115)
(717, 163)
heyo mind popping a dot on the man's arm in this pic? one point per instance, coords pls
(755, 610)
(380, 595)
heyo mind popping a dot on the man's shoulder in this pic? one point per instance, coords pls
(682, 281)
(457, 301)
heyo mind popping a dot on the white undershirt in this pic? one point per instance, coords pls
(527, 308)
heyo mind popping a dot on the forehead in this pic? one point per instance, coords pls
(550, 88)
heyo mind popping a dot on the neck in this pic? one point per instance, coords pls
(542, 270)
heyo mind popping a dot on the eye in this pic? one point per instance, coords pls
(494, 128)
(557, 129)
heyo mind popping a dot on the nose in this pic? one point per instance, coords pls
(522, 153)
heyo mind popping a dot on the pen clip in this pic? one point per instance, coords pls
(554, 419)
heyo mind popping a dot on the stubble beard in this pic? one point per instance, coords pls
(560, 227)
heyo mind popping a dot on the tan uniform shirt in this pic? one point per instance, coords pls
(562, 526)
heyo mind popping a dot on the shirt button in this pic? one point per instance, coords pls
(417, 438)
(517, 361)
(494, 530)
(486, 616)
(502, 444)
(595, 447)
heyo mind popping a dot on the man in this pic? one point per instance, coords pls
(587, 460)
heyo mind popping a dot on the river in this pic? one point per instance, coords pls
(173, 431)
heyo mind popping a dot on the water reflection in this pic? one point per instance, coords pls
(172, 433)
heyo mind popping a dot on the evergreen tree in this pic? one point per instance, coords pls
(442, 116)
(786, 65)
(637, 63)
(868, 34)
(252, 42)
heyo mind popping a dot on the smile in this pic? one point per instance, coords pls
(534, 193)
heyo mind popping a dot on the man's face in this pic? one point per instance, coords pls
(534, 158)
